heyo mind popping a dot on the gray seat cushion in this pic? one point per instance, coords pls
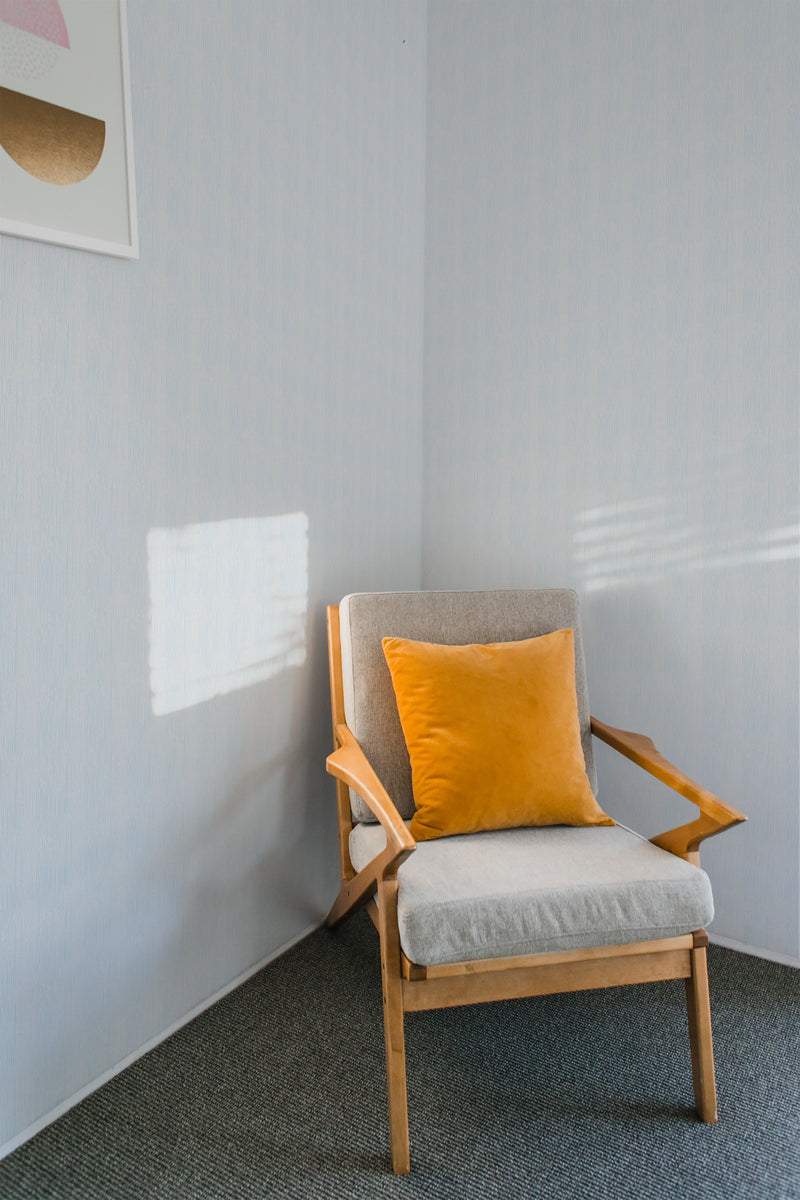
(447, 618)
(529, 891)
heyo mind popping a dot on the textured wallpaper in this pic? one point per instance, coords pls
(199, 451)
(611, 382)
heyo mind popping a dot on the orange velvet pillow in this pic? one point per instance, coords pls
(493, 734)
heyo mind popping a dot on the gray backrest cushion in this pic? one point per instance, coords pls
(447, 618)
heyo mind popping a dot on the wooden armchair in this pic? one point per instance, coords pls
(415, 892)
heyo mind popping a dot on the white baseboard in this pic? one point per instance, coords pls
(66, 1105)
(786, 960)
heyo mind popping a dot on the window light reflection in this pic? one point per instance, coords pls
(228, 603)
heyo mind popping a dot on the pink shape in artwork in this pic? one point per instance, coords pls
(43, 18)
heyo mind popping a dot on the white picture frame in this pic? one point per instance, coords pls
(65, 113)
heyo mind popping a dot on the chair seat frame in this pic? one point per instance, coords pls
(413, 987)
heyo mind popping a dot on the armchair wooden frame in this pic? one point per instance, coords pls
(412, 987)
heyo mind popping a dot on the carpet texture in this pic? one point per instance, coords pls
(273, 1094)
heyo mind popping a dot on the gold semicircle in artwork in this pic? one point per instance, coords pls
(56, 145)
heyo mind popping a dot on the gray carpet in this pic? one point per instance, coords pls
(278, 1091)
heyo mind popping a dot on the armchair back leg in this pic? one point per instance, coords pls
(699, 1012)
(391, 973)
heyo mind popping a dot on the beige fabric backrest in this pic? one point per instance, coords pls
(448, 618)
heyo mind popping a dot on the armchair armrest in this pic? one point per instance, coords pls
(350, 764)
(715, 815)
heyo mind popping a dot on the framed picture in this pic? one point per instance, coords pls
(66, 150)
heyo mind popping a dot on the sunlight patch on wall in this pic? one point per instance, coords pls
(643, 541)
(228, 603)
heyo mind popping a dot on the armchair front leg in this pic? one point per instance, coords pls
(394, 1026)
(349, 764)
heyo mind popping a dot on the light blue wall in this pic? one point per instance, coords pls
(611, 374)
(263, 357)
(611, 381)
